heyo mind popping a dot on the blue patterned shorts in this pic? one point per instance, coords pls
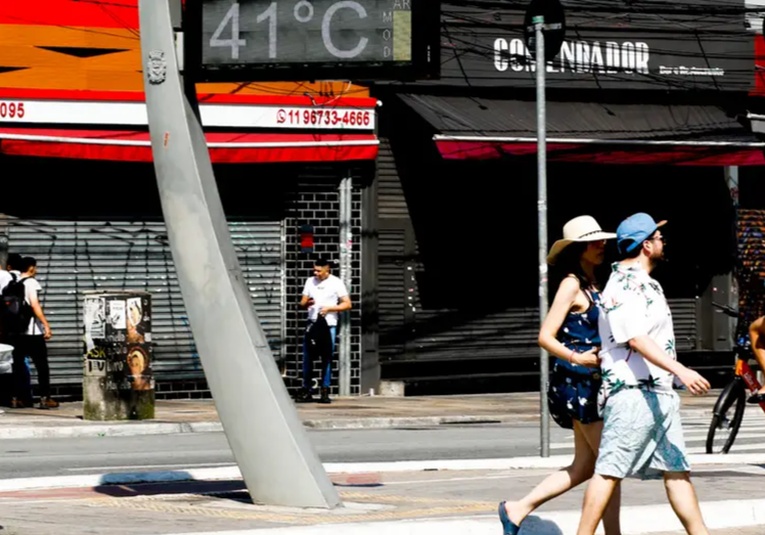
(572, 394)
(642, 432)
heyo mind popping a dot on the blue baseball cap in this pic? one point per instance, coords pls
(635, 229)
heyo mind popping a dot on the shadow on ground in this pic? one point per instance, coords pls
(174, 487)
(533, 525)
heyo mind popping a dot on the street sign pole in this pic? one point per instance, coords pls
(544, 28)
(544, 361)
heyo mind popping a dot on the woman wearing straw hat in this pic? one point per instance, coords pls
(570, 333)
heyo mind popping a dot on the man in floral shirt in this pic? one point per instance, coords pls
(641, 411)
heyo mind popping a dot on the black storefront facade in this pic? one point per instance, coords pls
(649, 109)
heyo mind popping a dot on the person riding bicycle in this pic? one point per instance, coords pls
(756, 333)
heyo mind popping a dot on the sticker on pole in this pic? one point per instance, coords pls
(554, 29)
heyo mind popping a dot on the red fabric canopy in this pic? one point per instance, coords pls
(235, 147)
(613, 152)
(626, 133)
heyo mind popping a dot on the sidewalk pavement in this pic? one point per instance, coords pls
(400, 498)
(381, 500)
(189, 416)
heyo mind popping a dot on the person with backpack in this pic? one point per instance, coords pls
(27, 330)
(7, 275)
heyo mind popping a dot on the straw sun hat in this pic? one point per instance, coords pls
(580, 229)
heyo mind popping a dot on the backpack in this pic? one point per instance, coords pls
(15, 312)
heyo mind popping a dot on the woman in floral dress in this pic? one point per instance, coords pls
(570, 334)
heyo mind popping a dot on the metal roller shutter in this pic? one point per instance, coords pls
(392, 293)
(395, 265)
(685, 323)
(390, 194)
(74, 256)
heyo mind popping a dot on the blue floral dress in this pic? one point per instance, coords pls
(572, 393)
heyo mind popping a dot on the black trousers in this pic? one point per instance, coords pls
(32, 346)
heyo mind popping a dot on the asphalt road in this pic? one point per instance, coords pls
(68, 456)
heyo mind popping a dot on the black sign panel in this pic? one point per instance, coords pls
(639, 44)
(553, 23)
(241, 40)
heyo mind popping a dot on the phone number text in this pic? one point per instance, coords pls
(332, 118)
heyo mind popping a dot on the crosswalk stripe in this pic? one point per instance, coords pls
(741, 434)
(737, 448)
(696, 433)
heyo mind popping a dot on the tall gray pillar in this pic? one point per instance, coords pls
(346, 247)
(263, 429)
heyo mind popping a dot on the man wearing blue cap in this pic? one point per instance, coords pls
(642, 431)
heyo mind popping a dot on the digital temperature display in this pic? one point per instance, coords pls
(266, 39)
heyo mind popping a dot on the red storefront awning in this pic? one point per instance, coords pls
(107, 125)
(624, 152)
(235, 147)
(590, 132)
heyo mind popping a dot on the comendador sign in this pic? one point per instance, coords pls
(609, 57)
(685, 44)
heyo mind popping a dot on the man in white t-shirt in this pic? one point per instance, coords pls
(32, 342)
(324, 295)
(642, 431)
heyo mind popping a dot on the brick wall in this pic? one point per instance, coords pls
(317, 204)
(750, 268)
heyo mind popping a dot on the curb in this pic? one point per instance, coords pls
(519, 463)
(413, 421)
(107, 430)
(132, 428)
(232, 472)
(636, 520)
(388, 422)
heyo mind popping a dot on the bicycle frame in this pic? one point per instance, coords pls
(733, 395)
(743, 354)
(747, 374)
(744, 371)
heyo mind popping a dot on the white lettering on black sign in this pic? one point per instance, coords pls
(609, 57)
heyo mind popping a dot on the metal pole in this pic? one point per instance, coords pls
(731, 180)
(344, 349)
(544, 371)
(348, 282)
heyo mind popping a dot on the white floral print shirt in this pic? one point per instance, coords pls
(633, 304)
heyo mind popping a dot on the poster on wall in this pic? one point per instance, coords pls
(139, 374)
(95, 319)
(117, 314)
(118, 341)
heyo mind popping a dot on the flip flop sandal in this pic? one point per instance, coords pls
(508, 528)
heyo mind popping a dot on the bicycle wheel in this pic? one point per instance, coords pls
(726, 420)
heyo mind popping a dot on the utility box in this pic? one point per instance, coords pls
(117, 382)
